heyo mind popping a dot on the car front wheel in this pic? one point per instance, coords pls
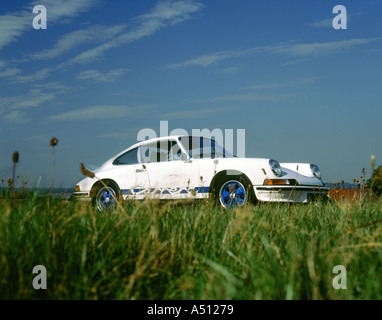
(235, 192)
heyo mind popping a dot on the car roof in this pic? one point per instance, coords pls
(156, 139)
(172, 137)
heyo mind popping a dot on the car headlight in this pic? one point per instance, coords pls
(275, 166)
(315, 170)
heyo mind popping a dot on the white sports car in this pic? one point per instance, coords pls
(189, 167)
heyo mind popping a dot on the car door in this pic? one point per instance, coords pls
(124, 173)
(165, 174)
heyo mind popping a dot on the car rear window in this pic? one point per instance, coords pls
(130, 157)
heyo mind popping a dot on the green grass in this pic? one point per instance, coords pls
(191, 251)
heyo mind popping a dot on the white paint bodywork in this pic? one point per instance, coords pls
(191, 178)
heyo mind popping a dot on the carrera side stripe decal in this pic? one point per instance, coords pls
(166, 190)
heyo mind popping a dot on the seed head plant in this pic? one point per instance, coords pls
(15, 160)
(53, 143)
(86, 172)
(372, 162)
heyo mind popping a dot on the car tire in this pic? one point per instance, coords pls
(103, 199)
(233, 192)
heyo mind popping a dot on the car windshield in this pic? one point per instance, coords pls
(199, 147)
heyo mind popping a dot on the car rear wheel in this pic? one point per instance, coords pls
(106, 197)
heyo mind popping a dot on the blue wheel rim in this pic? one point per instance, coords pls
(232, 194)
(106, 199)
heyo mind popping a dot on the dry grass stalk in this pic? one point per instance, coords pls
(86, 172)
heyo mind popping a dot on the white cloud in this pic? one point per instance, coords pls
(73, 39)
(13, 108)
(58, 9)
(124, 135)
(230, 70)
(16, 117)
(320, 48)
(13, 25)
(96, 75)
(215, 57)
(251, 97)
(9, 72)
(14, 74)
(328, 23)
(194, 114)
(98, 112)
(290, 63)
(164, 14)
(37, 76)
(277, 85)
(56, 87)
(289, 48)
(325, 23)
(204, 60)
(33, 98)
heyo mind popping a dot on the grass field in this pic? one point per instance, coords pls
(153, 250)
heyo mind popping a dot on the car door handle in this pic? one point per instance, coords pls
(140, 170)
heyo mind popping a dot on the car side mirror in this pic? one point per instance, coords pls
(184, 157)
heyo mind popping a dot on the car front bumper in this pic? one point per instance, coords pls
(297, 194)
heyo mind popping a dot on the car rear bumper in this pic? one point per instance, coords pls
(80, 196)
(298, 194)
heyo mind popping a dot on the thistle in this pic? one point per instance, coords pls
(15, 159)
(53, 143)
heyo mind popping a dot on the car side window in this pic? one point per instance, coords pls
(160, 151)
(130, 157)
(176, 152)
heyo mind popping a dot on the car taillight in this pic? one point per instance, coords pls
(77, 188)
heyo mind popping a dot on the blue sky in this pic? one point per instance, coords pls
(102, 71)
